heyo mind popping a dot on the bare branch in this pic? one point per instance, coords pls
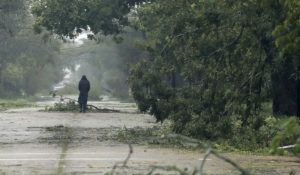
(210, 151)
(212, 53)
(176, 36)
(228, 45)
(204, 160)
(242, 170)
(95, 107)
(124, 162)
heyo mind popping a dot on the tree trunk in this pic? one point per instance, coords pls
(298, 94)
(173, 81)
(284, 87)
(285, 91)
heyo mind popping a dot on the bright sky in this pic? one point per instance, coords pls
(81, 37)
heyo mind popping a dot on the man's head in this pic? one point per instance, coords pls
(83, 77)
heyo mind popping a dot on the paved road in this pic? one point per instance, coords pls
(34, 143)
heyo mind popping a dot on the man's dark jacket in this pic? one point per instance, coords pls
(84, 87)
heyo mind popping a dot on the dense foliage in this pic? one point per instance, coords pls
(100, 16)
(213, 66)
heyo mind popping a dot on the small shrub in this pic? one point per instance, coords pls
(69, 106)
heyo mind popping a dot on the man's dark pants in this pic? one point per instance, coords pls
(82, 101)
(83, 106)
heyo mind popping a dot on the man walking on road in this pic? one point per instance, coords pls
(84, 88)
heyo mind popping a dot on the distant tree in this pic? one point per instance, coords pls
(11, 12)
(27, 65)
(106, 64)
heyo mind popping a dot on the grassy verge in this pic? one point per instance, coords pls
(14, 104)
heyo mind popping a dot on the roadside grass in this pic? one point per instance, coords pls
(15, 104)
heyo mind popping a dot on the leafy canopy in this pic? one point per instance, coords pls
(69, 18)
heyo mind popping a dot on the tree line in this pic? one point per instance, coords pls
(210, 65)
(27, 64)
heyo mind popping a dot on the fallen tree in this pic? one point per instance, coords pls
(72, 105)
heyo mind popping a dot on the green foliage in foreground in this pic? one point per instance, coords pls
(274, 133)
(290, 131)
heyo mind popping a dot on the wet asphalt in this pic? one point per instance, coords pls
(33, 142)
